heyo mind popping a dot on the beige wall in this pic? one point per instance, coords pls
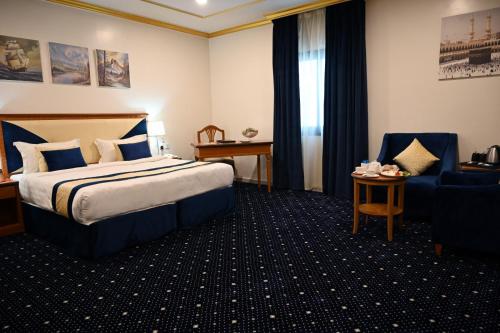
(241, 76)
(404, 94)
(169, 70)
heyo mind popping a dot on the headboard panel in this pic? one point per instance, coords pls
(40, 128)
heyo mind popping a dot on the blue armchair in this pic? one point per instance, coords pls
(419, 190)
(467, 212)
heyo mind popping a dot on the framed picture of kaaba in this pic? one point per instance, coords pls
(470, 45)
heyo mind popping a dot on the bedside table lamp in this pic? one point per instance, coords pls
(156, 129)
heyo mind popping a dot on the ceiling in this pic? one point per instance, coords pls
(214, 16)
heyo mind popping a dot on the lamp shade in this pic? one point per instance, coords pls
(156, 128)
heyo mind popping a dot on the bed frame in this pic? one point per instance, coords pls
(113, 234)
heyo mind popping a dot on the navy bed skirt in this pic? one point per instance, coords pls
(114, 234)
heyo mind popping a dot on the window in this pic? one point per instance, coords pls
(312, 71)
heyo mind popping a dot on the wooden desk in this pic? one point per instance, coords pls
(464, 166)
(209, 150)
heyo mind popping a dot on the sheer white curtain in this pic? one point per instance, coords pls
(312, 89)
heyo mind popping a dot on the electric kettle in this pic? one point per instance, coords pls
(492, 156)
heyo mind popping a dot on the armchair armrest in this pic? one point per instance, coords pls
(449, 159)
(382, 156)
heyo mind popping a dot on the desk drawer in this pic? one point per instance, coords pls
(8, 192)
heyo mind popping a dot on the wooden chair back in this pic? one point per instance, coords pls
(211, 132)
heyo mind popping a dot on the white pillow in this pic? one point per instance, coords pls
(31, 155)
(108, 151)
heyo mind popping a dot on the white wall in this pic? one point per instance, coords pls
(169, 70)
(242, 88)
(404, 94)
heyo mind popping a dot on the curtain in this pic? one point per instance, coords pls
(287, 148)
(312, 82)
(345, 142)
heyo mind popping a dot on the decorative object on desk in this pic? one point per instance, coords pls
(20, 59)
(113, 69)
(156, 129)
(249, 133)
(466, 49)
(226, 141)
(69, 64)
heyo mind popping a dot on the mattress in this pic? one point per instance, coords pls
(112, 198)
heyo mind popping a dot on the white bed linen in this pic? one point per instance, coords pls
(101, 201)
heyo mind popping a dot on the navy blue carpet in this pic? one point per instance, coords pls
(282, 262)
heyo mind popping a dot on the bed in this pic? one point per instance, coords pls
(100, 209)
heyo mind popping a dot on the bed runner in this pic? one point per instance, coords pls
(65, 191)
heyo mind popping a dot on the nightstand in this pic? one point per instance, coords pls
(11, 215)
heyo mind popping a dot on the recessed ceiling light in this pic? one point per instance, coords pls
(201, 2)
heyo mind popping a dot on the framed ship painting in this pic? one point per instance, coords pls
(470, 45)
(113, 69)
(20, 59)
(69, 64)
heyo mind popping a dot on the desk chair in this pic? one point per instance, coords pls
(211, 132)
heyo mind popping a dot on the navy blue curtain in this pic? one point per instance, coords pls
(345, 137)
(288, 171)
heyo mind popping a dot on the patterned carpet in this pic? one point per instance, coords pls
(282, 262)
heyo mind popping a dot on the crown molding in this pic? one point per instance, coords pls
(239, 28)
(302, 8)
(127, 16)
(231, 9)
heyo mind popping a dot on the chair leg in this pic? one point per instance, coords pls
(438, 248)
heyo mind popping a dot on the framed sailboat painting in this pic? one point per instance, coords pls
(20, 59)
(112, 69)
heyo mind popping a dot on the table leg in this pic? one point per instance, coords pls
(268, 170)
(401, 202)
(368, 199)
(390, 209)
(258, 172)
(20, 218)
(355, 224)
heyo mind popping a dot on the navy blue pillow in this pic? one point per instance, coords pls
(64, 159)
(135, 151)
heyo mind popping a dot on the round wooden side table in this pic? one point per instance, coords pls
(369, 208)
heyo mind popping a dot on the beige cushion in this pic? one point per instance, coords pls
(415, 158)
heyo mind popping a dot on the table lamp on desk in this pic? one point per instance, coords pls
(156, 129)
